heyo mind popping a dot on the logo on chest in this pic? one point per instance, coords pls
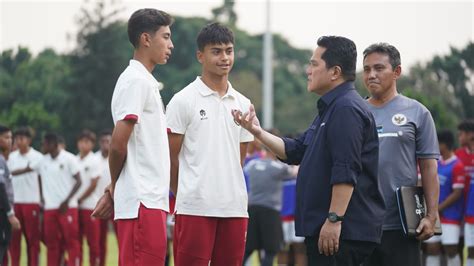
(399, 119)
(203, 115)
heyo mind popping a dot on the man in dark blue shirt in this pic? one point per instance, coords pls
(340, 207)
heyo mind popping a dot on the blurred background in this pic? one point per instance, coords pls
(60, 59)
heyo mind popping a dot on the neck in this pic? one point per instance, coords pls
(216, 83)
(55, 153)
(446, 155)
(83, 154)
(145, 60)
(333, 86)
(24, 150)
(382, 99)
(105, 154)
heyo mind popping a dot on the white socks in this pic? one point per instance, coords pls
(454, 261)
(433, 260)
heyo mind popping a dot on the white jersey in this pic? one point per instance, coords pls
(145, 176)
(211, 181)
(25, 186)
(90, 170)
(57, 178)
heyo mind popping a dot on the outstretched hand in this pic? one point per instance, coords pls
(248, 120)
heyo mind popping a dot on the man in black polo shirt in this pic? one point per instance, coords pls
(340, 207)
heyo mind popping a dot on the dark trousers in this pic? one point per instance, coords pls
(395, 249)
(351, 253)
(5, 234)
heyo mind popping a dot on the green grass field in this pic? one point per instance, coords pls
(112, 252)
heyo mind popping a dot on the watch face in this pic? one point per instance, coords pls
(332, 217)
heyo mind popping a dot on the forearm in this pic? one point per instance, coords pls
(21, 171)
(341, 196)
(40, 185)
(74, 190)
(174, 175)
(116, 162)
(429, 179)
(274, 143)
(89, 190)
(452, 198)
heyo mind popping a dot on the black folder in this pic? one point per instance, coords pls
(412, 208)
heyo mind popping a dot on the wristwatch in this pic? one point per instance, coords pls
(334, 218)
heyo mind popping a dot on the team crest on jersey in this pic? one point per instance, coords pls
(61, 166)
(86, 169)
(203, 114)
(399, 119)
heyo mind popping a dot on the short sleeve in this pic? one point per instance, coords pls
(177, 115)
(3, 172)
(459, 176)
(426, 138)
(73, 165)
(130, 100)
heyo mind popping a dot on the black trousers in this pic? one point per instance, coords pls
(5, 234)
(350, 253)
(395, 250)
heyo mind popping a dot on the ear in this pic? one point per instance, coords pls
(397, 71)
(199, 56)
(145, 39)
(336, 73)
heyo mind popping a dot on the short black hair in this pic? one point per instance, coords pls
(24, 132)
(105, 132)
(342, 52)
(51, 138)
(4, 129)
(446, 137)
(87, 134)
(147, 20)
(214, 33)
(387, 49)
(466, 125)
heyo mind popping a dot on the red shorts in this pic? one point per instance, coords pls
(142, 241)
(199, 239)
(62, 227)
(29, 217)
(89, 227)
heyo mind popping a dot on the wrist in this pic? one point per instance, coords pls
(334, 217)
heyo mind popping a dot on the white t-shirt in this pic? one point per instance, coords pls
(104, 179)
(90, 169)
(211, 180)
(145, 177)
(25, 186)
(57, 178)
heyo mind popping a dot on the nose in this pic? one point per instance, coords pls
(308, 70)
(171, 45)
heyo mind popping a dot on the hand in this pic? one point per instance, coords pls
(64, 207)
(248, 120)
(425, 229)
(15, 223)
(329, 238)
(104, 207)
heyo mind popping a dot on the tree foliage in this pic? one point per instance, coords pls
(69, 92)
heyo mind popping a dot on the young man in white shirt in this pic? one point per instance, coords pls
(27, 198)
(207, 151)
(88, 195)
(103, 157)
(139, 153)
(60, 180)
